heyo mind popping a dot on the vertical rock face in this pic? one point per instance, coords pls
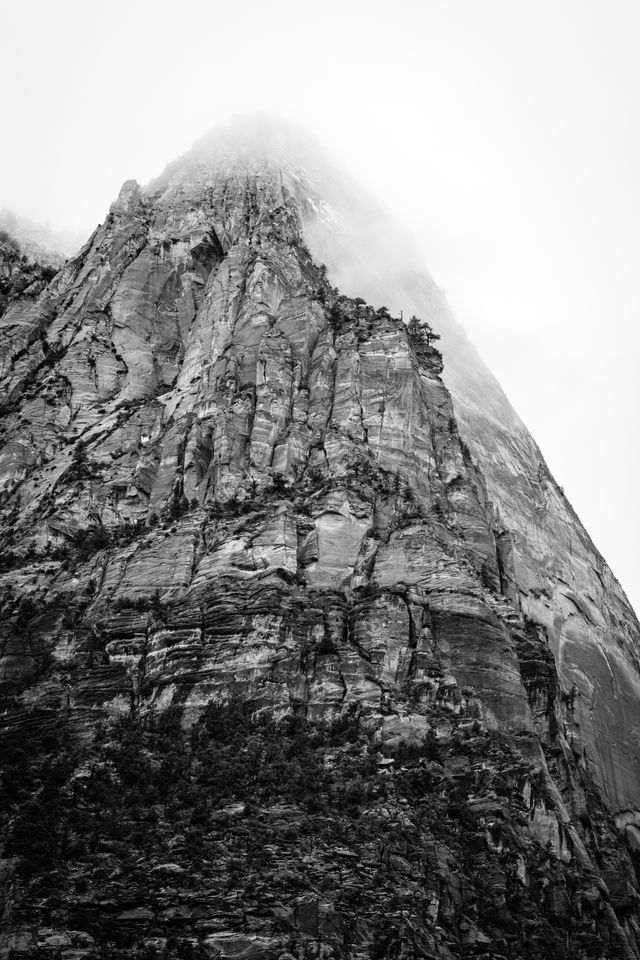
(557, 575)
(225, 482)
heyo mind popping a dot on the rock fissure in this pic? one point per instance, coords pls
(323, 661)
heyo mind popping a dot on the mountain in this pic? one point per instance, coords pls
(304, 653)
(21, 277)
(38, 242)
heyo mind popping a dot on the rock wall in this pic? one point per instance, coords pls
(560, 578)
(226, 482)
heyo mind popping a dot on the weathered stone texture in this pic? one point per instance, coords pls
(223, 479)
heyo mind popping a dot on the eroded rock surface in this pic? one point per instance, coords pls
(224, 483)
(556, 574)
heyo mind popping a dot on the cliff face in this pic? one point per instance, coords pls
(562, 582)
(241, 504)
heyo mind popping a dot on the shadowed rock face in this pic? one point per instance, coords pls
(225, 481)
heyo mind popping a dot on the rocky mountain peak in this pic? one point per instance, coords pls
(301, 603)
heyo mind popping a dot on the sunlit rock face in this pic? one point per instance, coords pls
(224, 479)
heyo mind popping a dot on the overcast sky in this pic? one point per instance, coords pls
(505, 132)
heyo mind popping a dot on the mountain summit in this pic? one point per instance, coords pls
(305, 653)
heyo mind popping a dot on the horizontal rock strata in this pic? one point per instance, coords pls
(239, 520)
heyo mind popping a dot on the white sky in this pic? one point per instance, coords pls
(506, 132)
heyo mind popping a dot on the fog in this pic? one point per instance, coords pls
(503, 133)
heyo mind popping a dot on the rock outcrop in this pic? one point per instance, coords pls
(306, 620)
(21, 276)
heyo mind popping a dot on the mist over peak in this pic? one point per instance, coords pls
(38, 240)
(347, 228)
(280, 574)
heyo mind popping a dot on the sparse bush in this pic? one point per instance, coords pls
(81, 467)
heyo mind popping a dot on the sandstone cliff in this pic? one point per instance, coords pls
(327, 637)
